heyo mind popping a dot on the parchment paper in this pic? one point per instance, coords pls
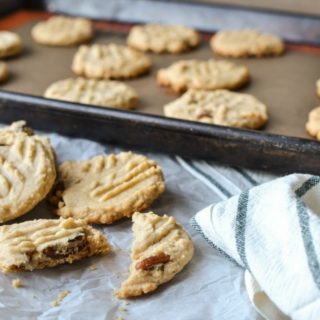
(210, 287)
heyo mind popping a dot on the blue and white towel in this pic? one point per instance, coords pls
(273, 231)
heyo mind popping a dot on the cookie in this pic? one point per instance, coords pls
(160, 249)
(107, 188)
(27, 170)
(3, 71)
(207, 75)
(163, 38)
(104, 93)
(313, 123)
(10, 44)
(62, 31)
(109, 61)
(37, 244)
(246, 42)
(221, 107)
(318, 87)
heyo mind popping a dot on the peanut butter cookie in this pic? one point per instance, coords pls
(10, 44)
(313, 123)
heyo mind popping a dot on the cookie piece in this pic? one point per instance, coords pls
(109, 61)
(10, 44)
(160, 249)
(3, 71)
(313, 123)
(163, 38)
(207, 75)
(44, 243)
(221, 107)
(27, 170)
(62, 31)
(104, 93)
(107, 188)
(318, 87)
(246, 42)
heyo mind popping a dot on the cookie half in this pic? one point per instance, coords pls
(313, 123)
(160, 249)
(105, 189)
(207, 75)
(62, 31)
(10, 44)
(160, 38)
(109, 61)
(221, 107)
(27, 170)
(246, 42)
(44, 243)
(104, 93)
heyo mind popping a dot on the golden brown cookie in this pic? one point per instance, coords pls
(221, 107)
(3, 71)
(110, 61)
(160, 38)
(160, 249)
(313, 123)
(104, 93)
(62, 31)
(246, 42)
(105, 189)
(199, 74)
(37, 244)
(10, 44)
(27, 170)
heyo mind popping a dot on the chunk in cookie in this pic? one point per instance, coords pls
(160, 249)
(104, 93)
(246, 42)
(163, 38)
(44, 243)
(62, 31)
(105, 189)
(109, 61)
(199, 74)
(220, 107)
(27, 170)
(10, 44)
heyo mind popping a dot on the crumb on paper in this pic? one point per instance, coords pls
(120, 318)
(16, 283)
(60, 297)
(118, 275)
(122, 308)
(93, 267)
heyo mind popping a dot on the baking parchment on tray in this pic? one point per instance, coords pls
(210, 287)
(285, 84)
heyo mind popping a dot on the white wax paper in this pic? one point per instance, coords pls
(210, 287)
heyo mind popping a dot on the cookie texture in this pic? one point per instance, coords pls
(37, 244)
(160, 249)
(10, 44)
(221, 107)
(107, 188)
(104, 93)
(163, 38)
(3, 71)
(27, 170)
(109, 61)
(313, 123)
(62, 31)
(207, 75)
(246, 42)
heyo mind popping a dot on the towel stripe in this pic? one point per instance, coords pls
(246, 176)
(240, 228)
(197, 227)
(304, 220)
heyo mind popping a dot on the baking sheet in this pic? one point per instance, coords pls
(286, 84)
(210, 287)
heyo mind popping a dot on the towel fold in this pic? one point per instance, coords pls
(273, 231)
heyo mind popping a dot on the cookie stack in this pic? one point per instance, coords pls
(101, 190)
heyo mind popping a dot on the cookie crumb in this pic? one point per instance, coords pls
(118, 275)
(93, 267)
(120, 318)
(16, 283)
(122, 308)
(60, 297)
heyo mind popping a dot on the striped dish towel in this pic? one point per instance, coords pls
(273, 231)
